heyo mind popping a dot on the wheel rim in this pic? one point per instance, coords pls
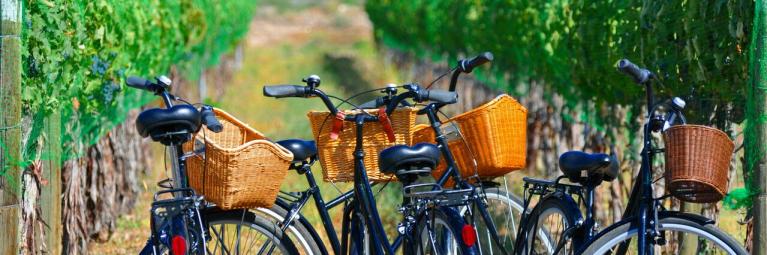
(294, 234)
(236, 237)
(549, 230)
(441, 239)
(684, 232)
(504, 213)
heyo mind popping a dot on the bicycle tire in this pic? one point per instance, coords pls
(505, 211)
(245, 218)
(556, 203)
(452, 224)
(299, 232)
(625, 231)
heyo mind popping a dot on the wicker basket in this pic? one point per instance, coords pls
(494, 134)
(243, 169)
(697, 163)
(336, 155)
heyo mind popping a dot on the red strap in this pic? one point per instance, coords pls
(386, 123)
(338, 125)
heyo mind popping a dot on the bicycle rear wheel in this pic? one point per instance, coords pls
(504, 210)
(546, 228)
(682, 235)
(244, 232)
(437, 234)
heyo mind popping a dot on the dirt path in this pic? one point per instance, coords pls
(342, 23)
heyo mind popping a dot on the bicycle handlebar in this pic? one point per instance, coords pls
(373, 104)
(414, 91)
(280, 91)
(639, 74)
(209, 119)
(439, 96)
(467, 66)
(161, 88)
(138, 83)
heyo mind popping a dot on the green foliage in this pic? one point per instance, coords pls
(698, 48)
(77, 54)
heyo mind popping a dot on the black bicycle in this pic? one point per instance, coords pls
(494, 211)
(646, 228)
(182, 222)
(430, 225)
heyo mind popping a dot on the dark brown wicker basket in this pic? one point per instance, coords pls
(697, 163)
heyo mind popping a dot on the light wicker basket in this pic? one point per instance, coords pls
(240, 168)
(697, 163)
(494, 134)
(336, 155)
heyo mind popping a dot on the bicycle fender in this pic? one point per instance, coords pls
(661, 215)
(570, 205)
(313, 232)
(457, 222)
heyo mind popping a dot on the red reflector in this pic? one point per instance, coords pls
(178, 245)
(469, 235)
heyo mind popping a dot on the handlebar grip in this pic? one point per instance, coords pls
(137, 82)
(639, 74)
(210, 120)
(372, 104)
(440, 96)
(279, 91)
(468, 65)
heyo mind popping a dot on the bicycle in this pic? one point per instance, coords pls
(486, 197)
(181, 221)
(430, 223)
(491, 203)
(644, 213)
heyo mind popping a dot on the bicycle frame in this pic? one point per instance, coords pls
(362, 209)
(642, 208)
(431, 112)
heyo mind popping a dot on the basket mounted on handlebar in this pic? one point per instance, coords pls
(697, 163)
(336, 156)
(494, 136)
(240, 167)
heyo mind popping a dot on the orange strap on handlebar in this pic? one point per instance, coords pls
(386, 123)
(338, 125)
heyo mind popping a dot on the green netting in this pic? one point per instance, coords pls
(700, 49)
(76, 55)
(756, 116)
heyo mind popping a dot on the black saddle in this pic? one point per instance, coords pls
(583, 167)
(301, 149)
(402, 156)
(159, 122)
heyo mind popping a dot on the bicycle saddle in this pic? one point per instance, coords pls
(402, 156)
(581, 167)
(301, 149)
(157, 121)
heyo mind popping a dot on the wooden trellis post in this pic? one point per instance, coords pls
(758, 96)
(10, 121)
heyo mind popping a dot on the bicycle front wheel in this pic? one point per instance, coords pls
(680, 235)
(297, 231)
(244, 232)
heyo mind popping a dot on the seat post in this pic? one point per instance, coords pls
(590, 223)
